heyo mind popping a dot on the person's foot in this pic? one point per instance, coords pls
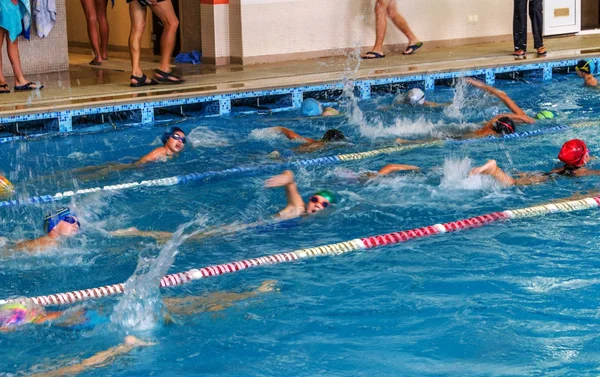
(489, 168)
(267, 286)
(22, 85)
(542, 51)
(373, 54)
(413, 45)
(167, 77)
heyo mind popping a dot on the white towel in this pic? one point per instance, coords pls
(44, 14)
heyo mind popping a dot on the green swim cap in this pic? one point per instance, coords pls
(330, 196)
(544, 114)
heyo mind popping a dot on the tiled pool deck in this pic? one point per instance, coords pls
(84, 91)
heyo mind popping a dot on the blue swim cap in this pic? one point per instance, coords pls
(165, 137)
(52, 219)
(311, 107)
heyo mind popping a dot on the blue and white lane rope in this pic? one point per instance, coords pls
(255, 170)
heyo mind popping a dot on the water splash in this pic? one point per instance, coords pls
(267, 134)
(458, 101)
(204, 137)
(456, 176)
(140, 307)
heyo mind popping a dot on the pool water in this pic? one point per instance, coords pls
(510, 299)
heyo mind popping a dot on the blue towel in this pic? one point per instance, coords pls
(44, 13)
(189, 57)
(15, 18)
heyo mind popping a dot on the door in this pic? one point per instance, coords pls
(157, 28)
(590, 14)
(562, 16)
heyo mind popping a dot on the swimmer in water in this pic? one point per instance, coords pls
(584, 69)
(58, 226)
(310, 145)
(503, 124)
(313, 108)
(574, 154)
(6, 187)
(416, 97)
(174, 141)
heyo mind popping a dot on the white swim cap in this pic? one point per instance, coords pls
(415, 97)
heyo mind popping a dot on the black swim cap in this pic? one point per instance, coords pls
(333, 135)
(165, 137)
(504, 126)
(584, 66)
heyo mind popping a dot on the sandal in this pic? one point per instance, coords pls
(412, 48)
(519, 53)
(28, 86)
(94, 62)
(372, 55)
(542, 51)
(167, 77)
(141, 81)
(4, 89)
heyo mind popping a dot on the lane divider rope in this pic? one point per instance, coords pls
(332, 250)
(254, 170)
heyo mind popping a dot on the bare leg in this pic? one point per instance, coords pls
(103, 27)
(2, 36)
(401, 24)
(89, 9)
(165, 12)
(137, 15)
(380, 24)
(12, 49)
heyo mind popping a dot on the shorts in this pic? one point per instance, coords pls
(144, 3)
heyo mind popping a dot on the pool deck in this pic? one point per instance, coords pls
(84, 87)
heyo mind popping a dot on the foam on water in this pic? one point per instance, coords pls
(205, 137)
(267, 134)
(456, 176)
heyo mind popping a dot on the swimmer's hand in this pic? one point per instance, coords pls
(488, 168)
(283, 179)
(274, 155)
(403, 141)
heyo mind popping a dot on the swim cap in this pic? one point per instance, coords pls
(52, 219)
(333, 135)
(16, 314)
(585, 66)
(544, 114)
(6, 188)
(330, 196)
(165, 137)
(504, 126)
(573, 153)
(311, 107)
(415, 97)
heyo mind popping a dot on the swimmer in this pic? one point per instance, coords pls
(173, 143)
(584, 69)
(58, 226)
(503, 124)
(310, 145)
(574, 154)
(295, 204)
(312, 108)
(6, 187)
(416, 97)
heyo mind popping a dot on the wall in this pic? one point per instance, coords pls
(589, 14)
(189, 25)
(309, 28)
(118, 21)
(34, 54)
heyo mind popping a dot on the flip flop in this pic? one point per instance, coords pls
(167, 77)
(26, 87)
(4, 89)
(542, 51)
(94, 62)
(141, 81)
(372, 55)
(412, 48)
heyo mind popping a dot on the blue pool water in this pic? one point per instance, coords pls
(510, 299)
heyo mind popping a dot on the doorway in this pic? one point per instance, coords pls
(590, 14)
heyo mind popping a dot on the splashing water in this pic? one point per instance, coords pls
(458, 101)
(139, 308)
(456, 176)
(204, 137)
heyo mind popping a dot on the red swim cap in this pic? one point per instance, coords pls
(573, 153)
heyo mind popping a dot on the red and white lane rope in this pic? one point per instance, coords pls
(334, 249)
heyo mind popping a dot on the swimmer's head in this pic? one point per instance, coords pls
(504, 126)
(311, 108)
(61, 223)
(415, 97)
(174, 139)
(584, 67)
(6, 188)
(574, 153)
(320, 200)
(333, 135)
(15, 314)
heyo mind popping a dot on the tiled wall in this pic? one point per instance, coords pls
(42, 55)
(118, 21)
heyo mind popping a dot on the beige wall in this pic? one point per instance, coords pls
(118, 20)
(41, 55)
(272, 27)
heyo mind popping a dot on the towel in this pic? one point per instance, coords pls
(193, 57)
(14, 18)
(44, 14)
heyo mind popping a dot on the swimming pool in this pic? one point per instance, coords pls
(513, 298)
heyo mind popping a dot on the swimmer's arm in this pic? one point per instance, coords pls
(135, 232)
(502, 97)
(590, 80)
(153, 156)
(37, 244)
(294, 200)
(330, 111)
(310, 147)
(436, 104)
(587, 172)
(292, 135)
(100, 359)
(392, 168)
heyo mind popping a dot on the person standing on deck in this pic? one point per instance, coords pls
(536, 13)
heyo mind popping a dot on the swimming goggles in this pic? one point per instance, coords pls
(71, 220)
(315, 200)
(178, 137)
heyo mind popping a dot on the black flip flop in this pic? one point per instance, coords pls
(412, 48)
(4, 89)
(94, 62)
(26, 87)
(167, 77)
(141, 81)
(372, 55)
